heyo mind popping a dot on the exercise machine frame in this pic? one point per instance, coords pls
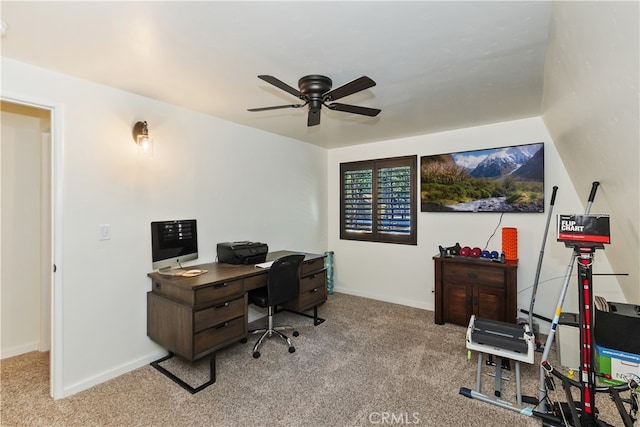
(584, 412)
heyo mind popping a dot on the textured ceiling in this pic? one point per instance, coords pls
(437, 65)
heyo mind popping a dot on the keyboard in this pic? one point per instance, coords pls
(264, 264)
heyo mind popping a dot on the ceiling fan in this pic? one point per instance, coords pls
(315, 91)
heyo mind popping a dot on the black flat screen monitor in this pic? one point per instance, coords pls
(173, 242)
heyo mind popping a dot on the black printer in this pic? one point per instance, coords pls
(243, 252)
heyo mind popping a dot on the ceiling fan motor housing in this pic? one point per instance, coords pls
(315, 85)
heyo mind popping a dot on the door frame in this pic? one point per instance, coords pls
(54, 264)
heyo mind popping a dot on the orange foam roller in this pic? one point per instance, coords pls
(510, 243)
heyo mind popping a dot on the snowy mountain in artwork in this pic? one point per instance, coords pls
(523, 162)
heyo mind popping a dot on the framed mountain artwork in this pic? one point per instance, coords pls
(505, 179)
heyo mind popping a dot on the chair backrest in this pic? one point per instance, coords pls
(283, 281)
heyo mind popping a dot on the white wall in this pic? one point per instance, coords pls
(405, 275)
(239, 183)
(20, 230)
(591, 107)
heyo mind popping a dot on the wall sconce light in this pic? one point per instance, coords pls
(141, 137)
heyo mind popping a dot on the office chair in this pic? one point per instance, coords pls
(283, 285)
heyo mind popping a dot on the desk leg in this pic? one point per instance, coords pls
(316, 320)
(179, 381)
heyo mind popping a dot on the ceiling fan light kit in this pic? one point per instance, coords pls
(315, 91)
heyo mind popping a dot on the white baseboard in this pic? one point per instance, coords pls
(112, 373)
(17, 351)
(254, 313)
(402, 301)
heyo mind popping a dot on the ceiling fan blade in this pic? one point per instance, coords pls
(355, 109)
(276, 107)
(314, 117)
(281, 85)
(346, 89)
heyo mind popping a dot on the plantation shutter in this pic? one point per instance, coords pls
(377, 200)
(358, 201)
(394, 200)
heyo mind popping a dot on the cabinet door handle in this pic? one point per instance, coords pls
(475, 301)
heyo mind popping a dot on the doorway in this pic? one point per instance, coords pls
(26, 230)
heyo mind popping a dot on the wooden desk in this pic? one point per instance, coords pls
(195, 316)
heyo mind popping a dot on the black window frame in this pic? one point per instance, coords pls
(376, 234)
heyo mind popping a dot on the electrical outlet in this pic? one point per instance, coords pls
(105, 232)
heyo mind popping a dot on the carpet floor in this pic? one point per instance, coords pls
(371, 363)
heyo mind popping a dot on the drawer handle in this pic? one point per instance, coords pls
(158, 285)
(221, 285)
(226, 304)
(221, 326)
(313, 276)
(315, 290)
(472, 275)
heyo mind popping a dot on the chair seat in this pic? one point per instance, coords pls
(259, 297)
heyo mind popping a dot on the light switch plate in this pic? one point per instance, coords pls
(105, 232)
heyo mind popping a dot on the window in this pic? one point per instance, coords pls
(378, 200)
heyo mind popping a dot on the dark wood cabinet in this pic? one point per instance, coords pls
(466, 286)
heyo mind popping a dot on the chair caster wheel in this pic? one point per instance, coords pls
(256, 354)
(292, 349)
(295, 333)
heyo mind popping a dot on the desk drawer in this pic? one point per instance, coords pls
(308, 267)
(218, 292)
(255, 282)
(316, 280)
(212, 338)
(217, 314)
(312, 297)
(473, 274)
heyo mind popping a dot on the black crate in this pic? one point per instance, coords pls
(618, 328)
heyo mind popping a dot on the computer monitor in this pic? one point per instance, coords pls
(172, 243)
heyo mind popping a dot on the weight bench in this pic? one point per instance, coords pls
(507, 342)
